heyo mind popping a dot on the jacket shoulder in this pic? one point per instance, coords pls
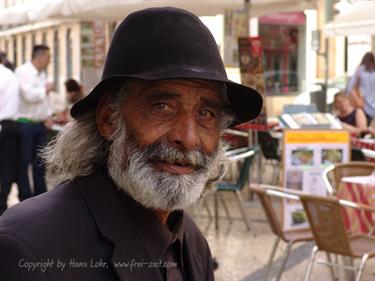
(48, 214)
(17, 261)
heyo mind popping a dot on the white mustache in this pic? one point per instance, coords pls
(163, 151)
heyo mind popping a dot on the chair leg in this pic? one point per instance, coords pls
(216, 203)
(226, 210)
(361, 267)
(205, 204)
(285, 259)
(349, 273)
(261, 168)
(331, 268)
(248, 222)
(278, 171)
(270, 259)
(311, 263)
(196, 207)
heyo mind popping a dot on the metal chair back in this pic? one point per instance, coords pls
(271, 214)
(327, 224)
(333, 174)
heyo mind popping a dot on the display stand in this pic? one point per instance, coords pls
(306, 154)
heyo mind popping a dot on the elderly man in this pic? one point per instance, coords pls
(145, 144)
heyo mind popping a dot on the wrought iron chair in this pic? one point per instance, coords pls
(331, 236)
(333, 174)
(265, 194)
(246, 155)
(270, 150)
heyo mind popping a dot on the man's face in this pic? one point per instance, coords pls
(168, 146)
(44, 59)
(187, 114)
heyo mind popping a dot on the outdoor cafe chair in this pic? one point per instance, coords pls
(333, 174)
(265, 194)
(331, 236)
(270, 150)
(245, 156)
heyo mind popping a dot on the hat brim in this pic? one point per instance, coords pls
(245, 102)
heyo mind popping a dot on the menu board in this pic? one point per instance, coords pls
(310, 120)
(306, 154)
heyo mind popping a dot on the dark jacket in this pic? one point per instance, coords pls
(83, 230)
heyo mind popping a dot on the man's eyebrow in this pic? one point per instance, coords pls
(213, 103)
(161, 95)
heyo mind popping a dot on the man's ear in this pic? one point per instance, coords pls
(103, 118)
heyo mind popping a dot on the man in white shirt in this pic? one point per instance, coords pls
(34, 114)
(9, 95)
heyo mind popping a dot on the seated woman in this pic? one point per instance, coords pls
(74, 93)
(352, 119)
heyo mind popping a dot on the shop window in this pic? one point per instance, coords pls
(281, 45)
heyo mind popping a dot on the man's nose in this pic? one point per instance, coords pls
(185, 133)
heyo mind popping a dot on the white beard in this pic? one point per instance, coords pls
(133, 172)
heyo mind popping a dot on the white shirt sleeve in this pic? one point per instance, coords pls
(9, 94)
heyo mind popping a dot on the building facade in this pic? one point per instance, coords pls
(78, 49)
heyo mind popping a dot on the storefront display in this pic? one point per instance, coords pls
(282, 38)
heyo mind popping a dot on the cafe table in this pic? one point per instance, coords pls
(360, 189)
(366, 145)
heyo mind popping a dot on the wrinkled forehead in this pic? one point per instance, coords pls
(213, 88)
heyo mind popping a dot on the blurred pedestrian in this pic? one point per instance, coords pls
(361, 87)
(34, 117)
(74, 93)
(352, 119)
(4, 60)
(9, 95)
(143, 146)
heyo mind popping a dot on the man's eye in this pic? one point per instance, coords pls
(162, 107)
(207, 114)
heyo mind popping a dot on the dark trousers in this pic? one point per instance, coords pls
(9, 146)
(33, 138)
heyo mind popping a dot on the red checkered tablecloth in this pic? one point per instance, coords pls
(356, 220)
(364, 143)
(255, 127)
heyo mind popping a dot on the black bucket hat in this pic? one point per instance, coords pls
(168, 43)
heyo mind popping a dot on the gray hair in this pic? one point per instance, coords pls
(79, 149)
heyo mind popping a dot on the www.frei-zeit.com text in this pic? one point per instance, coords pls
(61, 265)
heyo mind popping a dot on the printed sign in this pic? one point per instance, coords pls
(306, 154)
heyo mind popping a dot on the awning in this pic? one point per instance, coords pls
(15, 14)
(118, 9)
(359, 20)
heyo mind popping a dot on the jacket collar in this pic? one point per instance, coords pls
(136, 233)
